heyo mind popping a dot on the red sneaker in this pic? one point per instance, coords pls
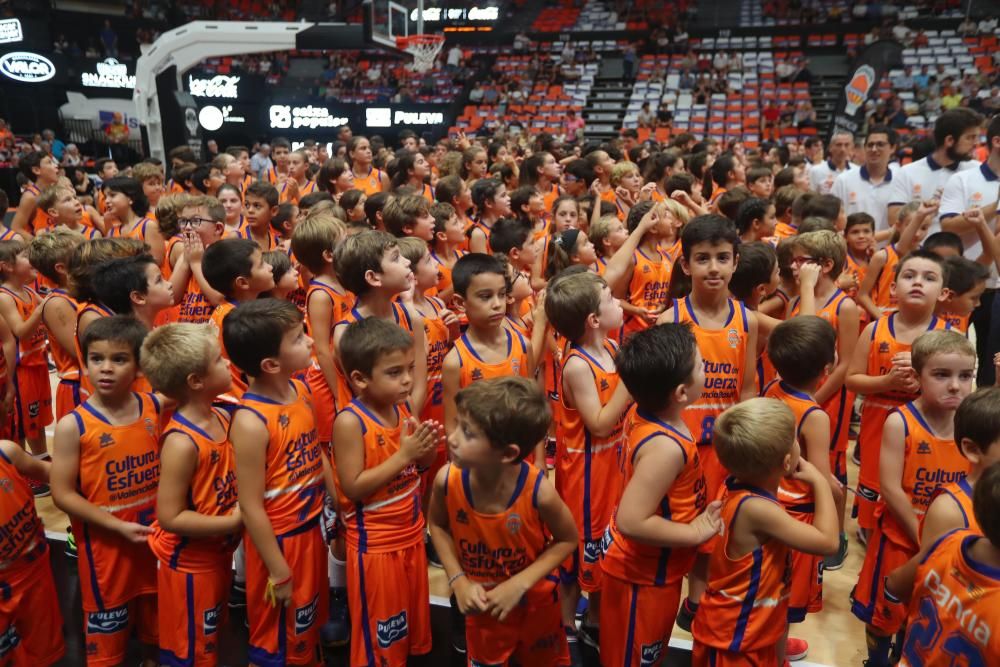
(796, 649)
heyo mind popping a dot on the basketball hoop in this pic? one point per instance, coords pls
(423, 48)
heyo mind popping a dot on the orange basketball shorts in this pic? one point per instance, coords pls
(192, 615)
(532, 635)
(707, 656)
(31, 624)
(68, 397)
(107, 631)
(33, 401)
(870, 438)
(868, 599)
(636, 622)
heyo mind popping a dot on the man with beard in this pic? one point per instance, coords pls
(956, 133)
(969, 198)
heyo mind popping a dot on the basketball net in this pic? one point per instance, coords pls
(423, 48)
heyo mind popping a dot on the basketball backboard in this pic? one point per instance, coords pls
(391, 19)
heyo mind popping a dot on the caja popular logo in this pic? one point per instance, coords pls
(26, 67)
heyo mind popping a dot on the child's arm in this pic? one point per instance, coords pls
(319, 312)
(63, 478)
(766, 519)
(178, 463)
(505, 597)
(808, 277)
(180, 274)
(21, 328)
(97, 219)
(471, 596)
(847, 323)
(59, 317)
(901, 581)
(24, 215)
(26, 464)
(618, 272)
(655, 467)
(418, 395)
(581, 393)
(907, 239)
(250, 438)
(478, 242)
(890, 476)
(749, 389)
(860, 382)
(814, 434)
(154, 239)
(449, 387)
(773, 306)
(991, 242)
(193, 253)
(417, 444)
(10, 360)
(875, 267)
(943, 515)
(540, 333)
(537, 275)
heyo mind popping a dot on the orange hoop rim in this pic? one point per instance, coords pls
(423, 39)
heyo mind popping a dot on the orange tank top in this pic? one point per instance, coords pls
(171, 314)
(81, 309)
(961, 493)
(370, 184)
(22, 540)
(884, 347)
(340, 306)
(795, 495)
(724, 354)
(928, 463)
(648, 289)
(549, 198)
(272, 238)
(66, 361)
(195, 308)
(212, 493)
(492, 548)
(438, 340)
(472, 367)
(30, 348)
(648, 565)
(138, 231)
(390, 518)
(745, 607)
(588, 474)
(959, 323)
(857, 268)
(293, 464)
(40, 221)
(955, 609)
(882, 293)
(240, 380)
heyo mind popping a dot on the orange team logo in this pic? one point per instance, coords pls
(734, 338)
(858, 89)
(514, 524)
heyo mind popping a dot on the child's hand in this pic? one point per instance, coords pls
(420, 439)
(624, 195)
(974, 216)
(809, 275)
(471, 597)
(281, 595)
(681, 196)
(708, 524)
(651, 219)
(595, 188)
(807, 472)
(848, 280)
(136, 533)
(928, 208)
(292, 188)
(504, 598)
(194, 249)
(646, 193)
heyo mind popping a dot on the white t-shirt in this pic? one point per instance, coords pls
(860, 195)
(923, 180)
(968, 188)
(822, 176)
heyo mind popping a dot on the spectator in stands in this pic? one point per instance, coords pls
(71, 156)
(930, 105)
(689, 62)
(521, 42)
(61, 45)
(720, 63)
(687, 80)
(477, 93)
(967, 27)
(921, 78)
(805, 115)
(987, 25)
(454, 59)
(785, 70)
(897, 114)
(261, 162)
(904, 80)
(646, 116)
(117, 130)
(109, 39)
(951, 96)
(574, 127)
(628, 62)
(5, 133)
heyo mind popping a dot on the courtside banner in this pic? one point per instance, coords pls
(867, 72)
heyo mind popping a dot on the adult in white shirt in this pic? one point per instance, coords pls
(978, 188)
(867, 190)
(454, 56)
(956, 133)
(822, 175)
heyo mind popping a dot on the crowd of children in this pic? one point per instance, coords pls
(294, 393)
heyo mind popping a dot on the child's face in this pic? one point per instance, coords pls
(859, 238)
(501, 202)
(520, 285)
(551, 169)
(632, 181)
(68, 208)
(421, 168)
(711, 266)
(921, 231)
(295, 352)
(609, 313)
(280, 154)
(762, 187)
(465, 199)
(668, 225)
(477, 166)
(217, 379)
(345, 181)
(801, 178)
(468, 446)
(206, 229)
(118, 203)
(234, 169)
(111, 367)
(800, 257)
(454, 230)
(769, 222)
(258, 211)
(423, 226)
(110, 170)
(288, 282)
(486, 300)
(946, 251)
(153, 188)
(261, 273)
(159, 292)
(964, 304)
(231, 202)
(946, 379)
(585, 253)
(396, 274)
(20, 270)
(616, 237)
(357, 213)
(391, 380)
(919, 283)
(526, 257)
(215, 179)
(567, 216)
(426, 273)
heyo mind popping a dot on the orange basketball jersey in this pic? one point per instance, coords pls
(195, 307)
(119, 473)
(390, 518)
(961, 493)
(746, 603)
(31, 348)
(472, 367)
(959, 323)
(630, 560)
(370, 184)
(293, 468)
(138, 231)
(22, 540)
(240, 380)
(647, 289)
(212, 493)
(857, 268)
(882, 293)
(438, 340)
(326, 405)
(955, 609)
(492, 548)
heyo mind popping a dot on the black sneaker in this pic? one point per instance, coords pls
(685, 615)
(39, 489)
(573, 642)
(836, 561)
(432, 555)
(238, 594)
(457, 627)
(337, 629)
(591, 636)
